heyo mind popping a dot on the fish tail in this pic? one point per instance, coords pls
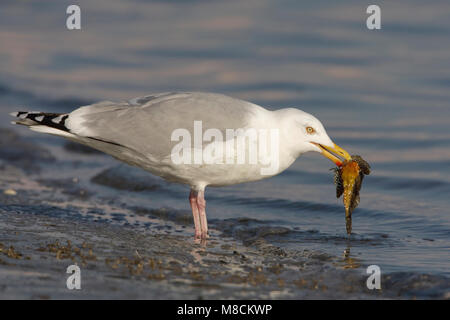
(348, 221)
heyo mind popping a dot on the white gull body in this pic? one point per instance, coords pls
(140, 132)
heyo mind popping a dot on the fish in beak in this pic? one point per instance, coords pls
(348, 180)
(333, 153)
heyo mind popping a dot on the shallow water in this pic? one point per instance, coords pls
(381, 94)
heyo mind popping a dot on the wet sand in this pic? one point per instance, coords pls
(127, 251)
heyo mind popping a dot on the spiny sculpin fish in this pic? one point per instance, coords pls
(348, 180)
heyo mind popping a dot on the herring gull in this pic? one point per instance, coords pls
(198, 139)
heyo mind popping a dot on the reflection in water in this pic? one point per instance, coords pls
(349, 262)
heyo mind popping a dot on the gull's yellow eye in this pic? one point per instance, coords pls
(310, 130)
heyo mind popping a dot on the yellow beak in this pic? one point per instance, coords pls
(331, 152)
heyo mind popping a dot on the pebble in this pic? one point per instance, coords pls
(10, 192)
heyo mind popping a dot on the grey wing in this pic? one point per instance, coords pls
(146, 124)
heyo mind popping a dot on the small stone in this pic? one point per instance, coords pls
(10, 192)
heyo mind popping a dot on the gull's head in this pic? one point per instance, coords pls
(307, 133)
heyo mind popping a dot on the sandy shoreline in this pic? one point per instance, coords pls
(118, 262)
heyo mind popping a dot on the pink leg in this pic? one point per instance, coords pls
(201, 205)
(195, 214)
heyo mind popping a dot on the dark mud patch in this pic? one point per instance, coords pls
(182, 217)
(21, 152)
(249, 230)
(67, 186)
(413, 285)
(127, 178)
